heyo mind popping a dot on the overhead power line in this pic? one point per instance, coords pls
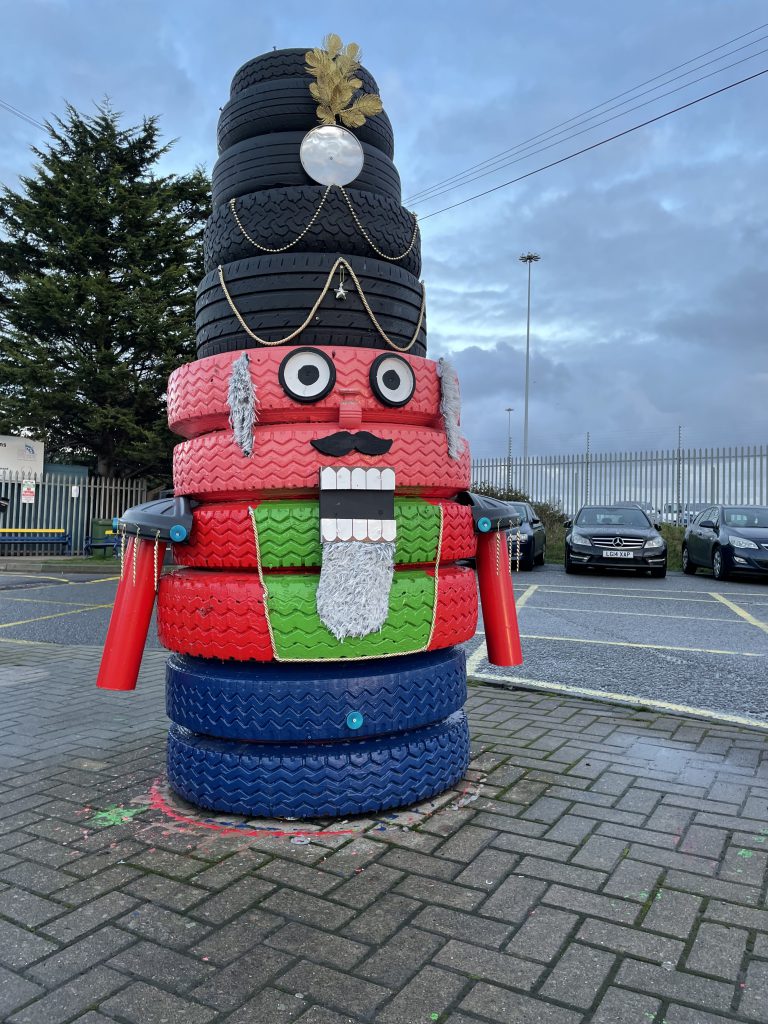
(596, 145)
(582, 117)
(20, 113)
(598, 124)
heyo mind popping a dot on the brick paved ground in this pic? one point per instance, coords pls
(612, 869)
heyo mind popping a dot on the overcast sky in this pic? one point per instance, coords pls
(649, 305)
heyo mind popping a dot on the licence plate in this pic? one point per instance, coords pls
(614, 553)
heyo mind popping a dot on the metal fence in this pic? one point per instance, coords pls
(62, 502)
(676, 483)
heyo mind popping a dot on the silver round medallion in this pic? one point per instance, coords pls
(331, 155)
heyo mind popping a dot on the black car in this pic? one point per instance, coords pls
(533, 538)
(727, 539)
(617, 536)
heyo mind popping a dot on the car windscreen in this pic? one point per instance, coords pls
(520, 510)
(746, 518)
(612, 517)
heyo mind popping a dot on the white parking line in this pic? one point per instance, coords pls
(482, 651)
(620, 698)
(644, 615)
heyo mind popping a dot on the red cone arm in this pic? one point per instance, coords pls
(502, 637)
(131, 615)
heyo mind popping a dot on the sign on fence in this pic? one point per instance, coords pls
(21, 455)
(28, 489)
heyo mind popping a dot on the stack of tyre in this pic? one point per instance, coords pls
(336, 732)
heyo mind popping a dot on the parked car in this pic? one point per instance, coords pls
(727, 539)
(533, 537)
(617, 536)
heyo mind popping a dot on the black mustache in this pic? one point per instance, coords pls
(342, 443)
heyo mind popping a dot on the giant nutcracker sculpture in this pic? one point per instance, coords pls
(320, 516)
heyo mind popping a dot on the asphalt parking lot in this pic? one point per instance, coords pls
(684, 641)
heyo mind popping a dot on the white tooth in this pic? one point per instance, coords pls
(358, 479)
(373, 479)
(328, 529)
(360, 529)
(387, 479)
(344, 529)
(388, 527)
(342, 479)
(328, 478)
(374, 529)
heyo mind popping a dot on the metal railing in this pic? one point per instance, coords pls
(66, 502)
(676, 482)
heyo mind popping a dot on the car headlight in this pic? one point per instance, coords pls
(655, 542)
(742, 542)
(579, 538)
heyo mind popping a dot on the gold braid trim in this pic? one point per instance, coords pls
(358, 225)
(340, 262)
(358, 657)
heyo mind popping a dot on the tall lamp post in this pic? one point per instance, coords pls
(509, 410)
(529, 258)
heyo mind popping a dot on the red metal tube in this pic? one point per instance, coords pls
(131, 615)
(502, 636)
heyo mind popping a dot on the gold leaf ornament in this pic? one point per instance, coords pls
(333, 67)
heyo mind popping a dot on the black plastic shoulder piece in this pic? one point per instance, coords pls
(489, 513)
(169, 519)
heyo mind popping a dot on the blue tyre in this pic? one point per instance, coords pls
(318, 701)
(312, 780)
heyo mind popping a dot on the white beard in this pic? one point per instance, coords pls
(355, 580)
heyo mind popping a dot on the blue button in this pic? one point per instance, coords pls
(178, 533)
(354, 719)
(484, 524)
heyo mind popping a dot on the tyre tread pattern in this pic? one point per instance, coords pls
(355, 777)
(293, 703)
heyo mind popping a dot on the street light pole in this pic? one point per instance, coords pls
(529, 258)
(509, 410)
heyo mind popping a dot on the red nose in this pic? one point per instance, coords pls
(350, 411)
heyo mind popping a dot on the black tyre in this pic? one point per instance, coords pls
(272, 161)
(569, 566)
(688, 567)
(719, 570)
(305, 703)
(286, 105)
(276, 217)
(659, 574)
(284, 64)
(312, 779)
(274, 295)
(541, 559)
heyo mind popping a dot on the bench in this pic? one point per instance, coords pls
(12, 535)
(112, 540)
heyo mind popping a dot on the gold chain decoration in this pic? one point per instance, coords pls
(157, 543)
(360, 657)
(122, 551)
(498, 550)
(355, 217)
(283, 248)
(517, 567)
(135, 552)
(340, 262)
(370, 241)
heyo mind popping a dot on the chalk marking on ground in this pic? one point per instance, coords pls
(482, 651)
(621, 698)
(741, 612)
(55, 615)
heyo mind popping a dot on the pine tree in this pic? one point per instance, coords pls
(99, 258)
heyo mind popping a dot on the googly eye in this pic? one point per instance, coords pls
(307, 375)
(392, 380)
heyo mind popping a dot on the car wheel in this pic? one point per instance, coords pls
(659, 574)
(688, 567)
(541, 559)
(718, 568)
(569, 566)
